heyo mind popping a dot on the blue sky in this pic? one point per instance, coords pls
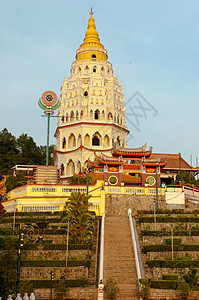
(152, 44)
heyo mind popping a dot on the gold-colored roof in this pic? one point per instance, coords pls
(91, 34)
(91, 49)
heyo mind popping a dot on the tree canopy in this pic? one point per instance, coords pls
(77, 213)
(21, 150)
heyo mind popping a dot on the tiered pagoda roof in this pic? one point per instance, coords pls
(132, 152)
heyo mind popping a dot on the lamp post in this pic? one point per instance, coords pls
(156, 175)
(25, 234)
(48, 102)
(172, 241)
(15, 205)
(67, 240)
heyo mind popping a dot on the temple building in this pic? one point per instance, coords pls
(91, 135)
(92, 114)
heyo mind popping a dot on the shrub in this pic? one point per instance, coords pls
(111, 289)
(184, 290)
(164, 284)
(176, 241)
(78, 282)
(144, 288)
(170, 277)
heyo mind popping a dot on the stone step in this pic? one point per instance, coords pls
(119, 261)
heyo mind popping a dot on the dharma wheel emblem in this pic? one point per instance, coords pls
(49, 102)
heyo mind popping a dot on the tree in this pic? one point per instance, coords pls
(80, 179)
(13, 182)
(191, 278)
(8, 151)
(184, 177)
(76, 211)
(29, 152)
(21, 150)
(8, 274)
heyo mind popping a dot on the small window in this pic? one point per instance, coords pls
(95, 141)
(85, 93)
(95, 69)
(93, 56)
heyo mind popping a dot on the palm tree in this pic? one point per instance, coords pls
(76, 211)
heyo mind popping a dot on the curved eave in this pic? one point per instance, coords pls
(161, 165)
(132, 154)
(81, 147)
(91, 123)
(110, 163)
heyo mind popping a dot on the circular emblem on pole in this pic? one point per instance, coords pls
(49, 98)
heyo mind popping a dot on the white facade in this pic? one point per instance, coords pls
(91, 114)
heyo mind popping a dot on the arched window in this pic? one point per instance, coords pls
(91, 114)
(93, 56)
(64, 143)
(97, 114)
(106, 141)
(72, 115)
(118, 140)
(81, 114)
(62, 119)
(71, 141)
(77, 115)
(79, 141)
(118, 119)
(96, 139)
(62, 170)
(110, 116)
(70, 167)
(103, 115)
(94, 69)
(87, 140)
(78, 167)
(66, 117)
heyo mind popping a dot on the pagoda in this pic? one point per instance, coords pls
(92, 114)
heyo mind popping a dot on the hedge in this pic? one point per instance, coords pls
(56, 263)
(35, 247)
(79, 282)
(30, 220)
(168, 219)
(59, 247)
(170, 277)
(168, 212)
(193, 232)
(176, 241)
(164, 284)
(31, 213)
(158, 263)
(167, 248)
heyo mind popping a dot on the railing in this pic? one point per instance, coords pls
(138, 269)
(138, 250)
(101, 269)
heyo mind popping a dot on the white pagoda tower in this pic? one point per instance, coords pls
(92, 114)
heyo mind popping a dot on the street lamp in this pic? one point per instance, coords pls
(172, 241)
(25, 234)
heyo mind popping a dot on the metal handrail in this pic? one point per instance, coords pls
(101, 269)
(134, 247)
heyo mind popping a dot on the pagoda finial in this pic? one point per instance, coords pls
(91, 33)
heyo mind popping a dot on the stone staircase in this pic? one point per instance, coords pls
(119, 263)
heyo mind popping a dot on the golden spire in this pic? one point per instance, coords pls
(91, 34)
